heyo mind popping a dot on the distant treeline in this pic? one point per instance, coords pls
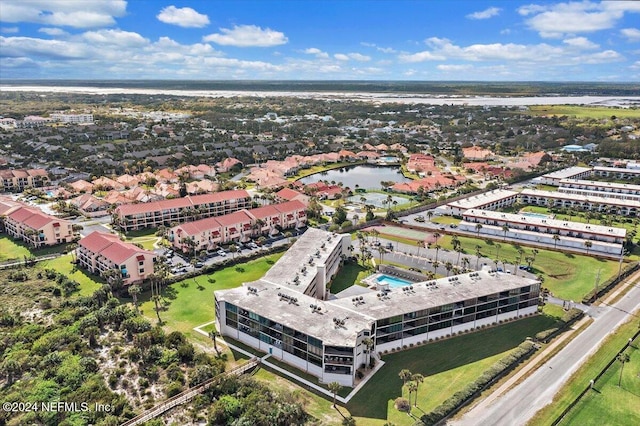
(417, 87)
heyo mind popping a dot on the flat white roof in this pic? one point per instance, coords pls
(303, 258)
(544, 222)
(616, 170)
(483, 199)
(581, 198)
(566, 173)
(599, 184)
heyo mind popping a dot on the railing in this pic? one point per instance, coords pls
(187, 395)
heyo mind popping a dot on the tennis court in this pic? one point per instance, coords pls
(412, 234)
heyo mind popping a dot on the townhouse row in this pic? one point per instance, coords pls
(131, 217)
(207, 234)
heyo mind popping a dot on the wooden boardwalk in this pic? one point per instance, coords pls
(187, 395)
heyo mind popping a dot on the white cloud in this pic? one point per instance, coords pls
(554, 21)
(9, 30)
(86, 14)
(570, 53)
(453, 67)
(56, 32)
(35, 47)
(485, 14)
(317, 52)
(506, 31)
(632, 34)
(183, 17)
(635, 65)
(379, 48)
(115, 38)
(355, 56)
(581, 43)
(247, 36)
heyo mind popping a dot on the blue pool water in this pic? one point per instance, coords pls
(538, 215)
(392, 281)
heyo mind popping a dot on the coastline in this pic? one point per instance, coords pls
(610, 101)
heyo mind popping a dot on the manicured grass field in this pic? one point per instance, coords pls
(448, 366)
(583, 111)
(350, 274)
(16, 250)
(566, 275)
(88, 283)
(189, 303)
(11, 250)
(607, 404)
(445, 220)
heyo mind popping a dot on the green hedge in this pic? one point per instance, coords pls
(568, 318)
(472, 390)
(610, 283)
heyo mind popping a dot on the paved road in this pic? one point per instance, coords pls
(522, 402)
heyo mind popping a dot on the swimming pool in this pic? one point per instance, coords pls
(538, 215)
(393, 282)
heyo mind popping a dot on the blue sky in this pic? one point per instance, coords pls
(321, 40)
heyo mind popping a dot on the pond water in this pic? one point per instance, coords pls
(366, 177)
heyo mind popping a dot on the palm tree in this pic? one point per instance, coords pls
(334, 387)
(233, 249)
(556, 238)
(448, 266)
(437, 247)
(430, 215)
(498, 247)
(368, 344)
(459, 251)
(505, 229)
(134, 291)
(405, 375)
(478, 256)
(465, 263)
(412, 387)
(455, 242)
(213, 334)
(588, 245)
(420, 243)
(436, 235)
(623, 358)
(382, 251)
(478, 228)
(417, 379)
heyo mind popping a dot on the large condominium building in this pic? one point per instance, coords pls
(580, 202)
(616, 172)
(73, 118)
(594, 185)
(545, 231)
(206, 234)
(491, 200)
(100, 252)
(37, 229)
(17, 180)
(554, 178)
(129, 217)
(288, 313)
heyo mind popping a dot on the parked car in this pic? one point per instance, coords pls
(199, 265)
(222, 253)
(419, 218)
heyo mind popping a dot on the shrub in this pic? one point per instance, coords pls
(173, 389)
(402, 404)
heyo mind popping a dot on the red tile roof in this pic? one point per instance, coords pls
(110, 246)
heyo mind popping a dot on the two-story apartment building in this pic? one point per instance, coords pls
(100, 252)
(37, 229)
(129, 217)
(207, 234)
(17, 180)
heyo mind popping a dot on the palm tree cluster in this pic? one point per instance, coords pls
(412, 381)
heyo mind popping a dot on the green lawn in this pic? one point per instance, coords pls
(189, 303)
(88, 283)
(445, 220)
(566, 275)
(350, 274)
(606, 404)
(17, 250)
(448, 366)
